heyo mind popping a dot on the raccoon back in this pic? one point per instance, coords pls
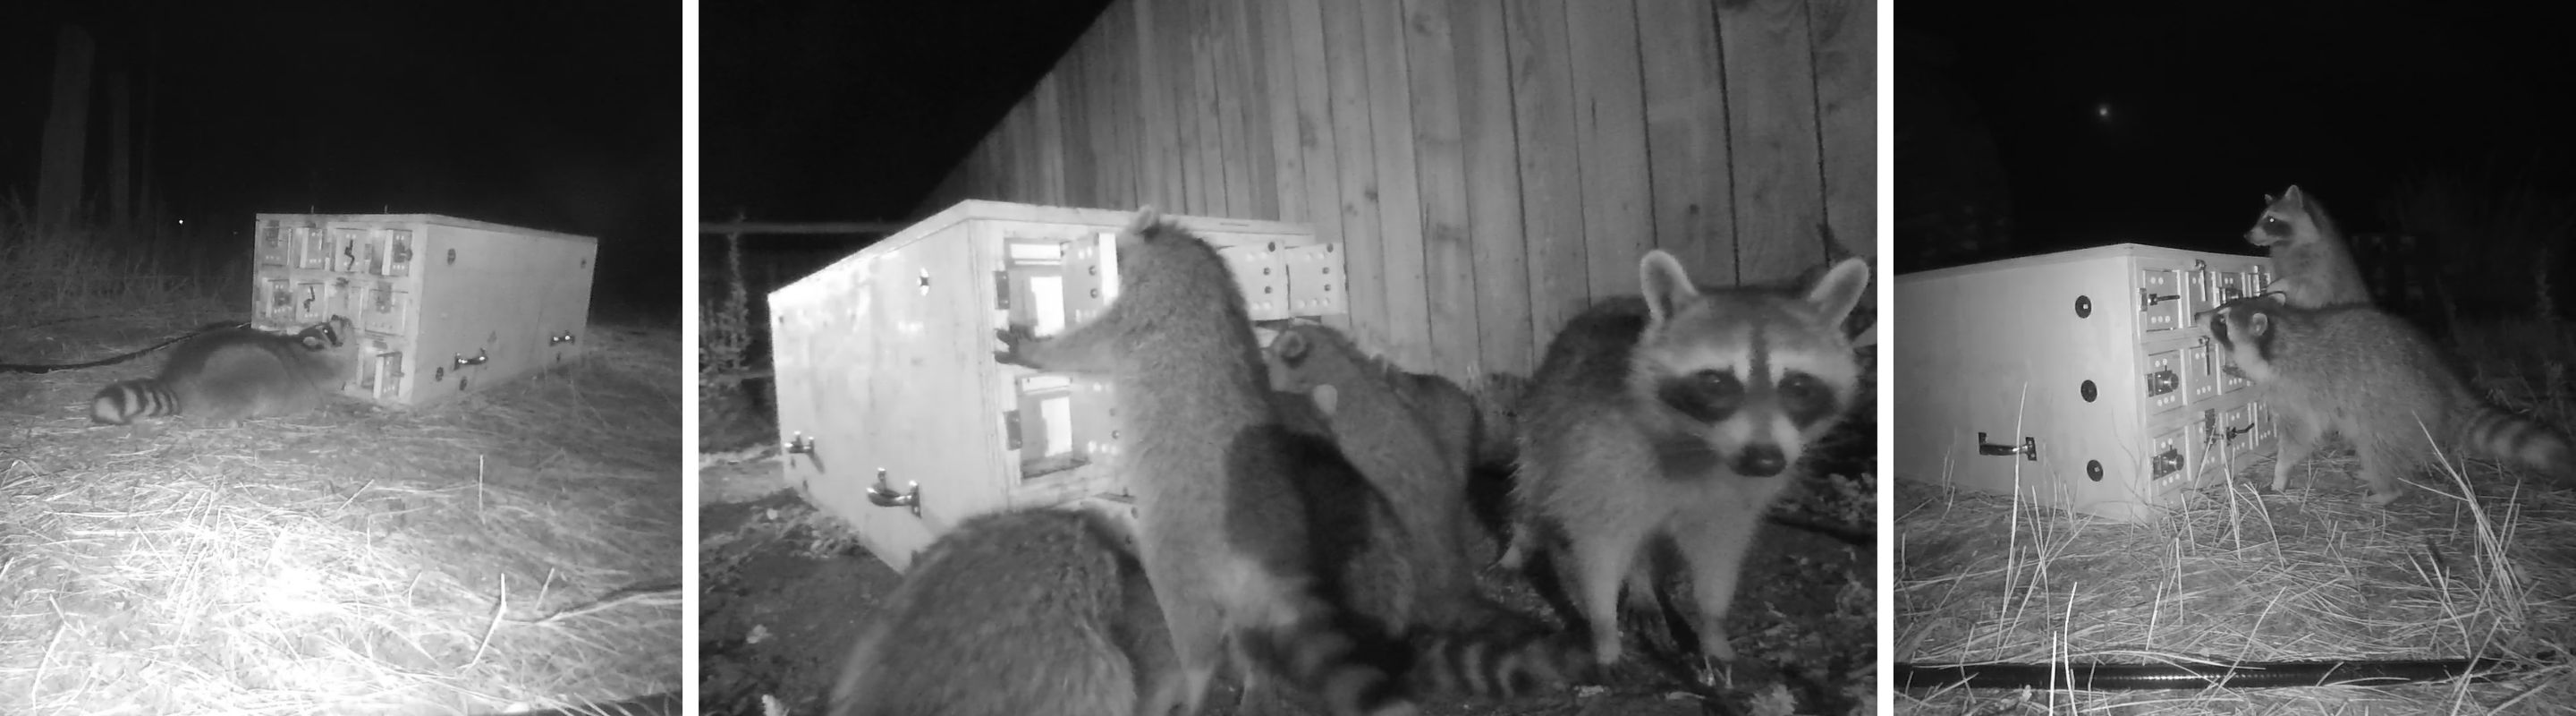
(2373, 377)
(1033, 611)
(226, 374)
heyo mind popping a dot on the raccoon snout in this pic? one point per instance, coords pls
(1759, 461)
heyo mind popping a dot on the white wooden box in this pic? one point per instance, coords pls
(894, 414)
(2078, 378)
(444, 306)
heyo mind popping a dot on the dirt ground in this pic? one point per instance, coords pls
(786, 591)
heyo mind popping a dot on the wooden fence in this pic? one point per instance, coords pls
(1489, 166)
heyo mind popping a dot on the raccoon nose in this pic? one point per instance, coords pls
(1760, 461)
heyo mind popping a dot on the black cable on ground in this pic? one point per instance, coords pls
(39, 369)
(2240, 675)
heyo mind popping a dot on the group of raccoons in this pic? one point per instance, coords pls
(2327, 361)
(1302, 519)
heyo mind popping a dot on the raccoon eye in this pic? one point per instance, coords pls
(2275, 226)
(1707, 396)
(1805, 398)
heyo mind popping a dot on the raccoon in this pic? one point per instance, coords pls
(1221, 527)
(2374, 379)
(2313, 267)
(1380, 421)
(1684, 414)
(1017, 612)
(1453, 641)
(235, 374)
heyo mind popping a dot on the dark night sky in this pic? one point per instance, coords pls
(559, 115)
(2214, 105)
(824, 110)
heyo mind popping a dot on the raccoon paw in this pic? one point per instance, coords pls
(1714, 672)
(1015, 343)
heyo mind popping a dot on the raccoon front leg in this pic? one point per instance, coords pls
(2381, 464)
(1604, 554)
(1091, 348)
(1714, 548)
(2299, 439)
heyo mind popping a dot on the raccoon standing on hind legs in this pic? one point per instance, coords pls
(1220, 524)
(2359, 372)
(1683, 413)
(2312, 266)
(236, 374)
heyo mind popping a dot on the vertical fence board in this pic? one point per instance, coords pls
(1610, 121)
(1449, 279)
(1485, 125)
(1353, 146)
(1551, 174)
(1267, 25)
(1771, 118)
(1047, 139)
(1404, 335)
(1686, 137)
(1234, 90)
(1846, 40)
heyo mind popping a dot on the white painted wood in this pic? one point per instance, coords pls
(2001, 348)
(426, 290)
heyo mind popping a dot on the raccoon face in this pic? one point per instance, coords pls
(323, 336)
(1743, 380)
(2285, 218)
(2243, 330)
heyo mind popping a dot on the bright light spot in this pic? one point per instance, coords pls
(2102, 110)
(183, 222)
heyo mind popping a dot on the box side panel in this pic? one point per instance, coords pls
(882, 361)
(479, 293)
(2007, 355)
(566, 270)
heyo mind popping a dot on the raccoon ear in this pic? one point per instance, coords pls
(2293, 197)
(1146, 217)
(2259, 324)
(1325, 397)
(1666, 285)
(1840, 290)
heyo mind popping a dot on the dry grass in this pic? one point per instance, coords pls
(455, 559)
(79, 268)
(2315, 574)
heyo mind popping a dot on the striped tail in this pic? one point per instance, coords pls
(2506, 436)
(121, 402)
(1496, 665)
(1310, 652)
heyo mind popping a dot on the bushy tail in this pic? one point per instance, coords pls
(2506, 436)
(1311, 652)
(121, 402)
(1496, 664)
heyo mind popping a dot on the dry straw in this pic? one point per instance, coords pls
(2474, 562)
(481, 552)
